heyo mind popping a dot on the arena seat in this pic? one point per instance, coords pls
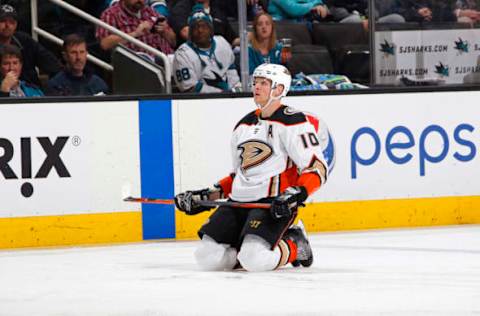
(348, 47)
(337, 35)
(298, 32)
(353, 61)
(133, 74)
(310, 59)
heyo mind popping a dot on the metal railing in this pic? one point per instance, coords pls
(36, 30)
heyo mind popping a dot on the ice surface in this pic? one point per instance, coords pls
(428, 271)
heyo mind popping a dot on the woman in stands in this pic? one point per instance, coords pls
(264, 47)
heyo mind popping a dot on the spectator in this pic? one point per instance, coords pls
(254, 7)
(33, 53)
(296, 9)
(76, 79)
(205, 63)
(263, 47)
(217, 9)
(467, 11)
(158, 5)
(356, 11)
(387, 11)
(137, 20)
(347, 11)
(428, 10)
(11, 68)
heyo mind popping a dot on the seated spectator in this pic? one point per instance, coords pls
(10, 68)
(158, 5)
(33, 53)
(217, 9)
(263, 47)
(467, 11)
(347, 11)
(76, 79)
(205, 63)
(296, 9)
(254, 7)
(428, 10)
(388, 11)
(137, 20)
(356, 11)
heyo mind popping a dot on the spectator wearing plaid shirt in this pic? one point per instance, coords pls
(137, 20)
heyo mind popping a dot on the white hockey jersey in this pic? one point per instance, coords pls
(271, 154)
(205, 71)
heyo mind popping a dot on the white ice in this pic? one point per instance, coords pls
(427, 271)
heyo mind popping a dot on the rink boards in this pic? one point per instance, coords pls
(401, 160)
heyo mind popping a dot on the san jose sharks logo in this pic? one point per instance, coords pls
(442, 70)
(461, 46)
(215, 81)
(387, 49)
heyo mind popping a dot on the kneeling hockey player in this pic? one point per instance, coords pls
(280, 156)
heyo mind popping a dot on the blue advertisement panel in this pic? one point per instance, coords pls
(156, 163)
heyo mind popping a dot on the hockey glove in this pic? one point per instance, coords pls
(286, 203)
(187, 201)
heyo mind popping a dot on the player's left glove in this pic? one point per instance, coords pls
(285, 204)
(187, 201)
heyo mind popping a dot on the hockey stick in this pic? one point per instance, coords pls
(202, 203)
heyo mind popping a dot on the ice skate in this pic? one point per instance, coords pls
(298, 234)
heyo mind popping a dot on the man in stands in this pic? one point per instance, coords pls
(33, 53)
(205, 63)
(428, 11)
(10, 69)
(137, 20)
(217, 9)
(76, 79)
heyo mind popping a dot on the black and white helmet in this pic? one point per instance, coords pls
(278, 74)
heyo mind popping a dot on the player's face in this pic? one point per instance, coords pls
(261, 90)
(201, 34)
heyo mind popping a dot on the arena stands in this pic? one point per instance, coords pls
(318, 45)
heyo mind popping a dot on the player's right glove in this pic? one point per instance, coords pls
(285, 204)
(187, 201)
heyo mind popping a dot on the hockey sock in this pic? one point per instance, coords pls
(288, 252)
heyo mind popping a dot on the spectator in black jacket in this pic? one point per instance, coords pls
(33, 53)
(428, 10)
(76, 79)
(181, 9)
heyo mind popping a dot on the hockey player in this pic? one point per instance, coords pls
(280, 156)
(205, 63)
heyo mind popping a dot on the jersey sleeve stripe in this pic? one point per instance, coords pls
(314, 121)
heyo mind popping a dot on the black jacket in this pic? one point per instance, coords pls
(442, 11)
(34, 55)
(181, 9)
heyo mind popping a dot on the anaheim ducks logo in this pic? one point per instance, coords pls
(254, 153)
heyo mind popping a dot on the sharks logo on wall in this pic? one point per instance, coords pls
(387, 48)
(442, 70)
(461, 46)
